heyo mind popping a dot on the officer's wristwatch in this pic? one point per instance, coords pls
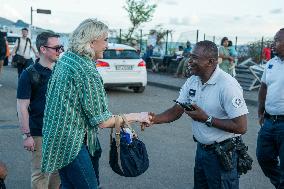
(26, 135)
(208, 122)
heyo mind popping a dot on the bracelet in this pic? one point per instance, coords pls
(28, 134)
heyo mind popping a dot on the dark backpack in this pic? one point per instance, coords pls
(129, 160)
(36, 79)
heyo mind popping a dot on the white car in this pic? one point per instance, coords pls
(12, 38)
(122, 67)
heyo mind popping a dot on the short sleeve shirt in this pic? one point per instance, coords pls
(37, 97)
(273, 77)
(221, 97)
(21, 49)
(76, 104)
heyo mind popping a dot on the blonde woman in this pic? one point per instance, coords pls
(76, 107)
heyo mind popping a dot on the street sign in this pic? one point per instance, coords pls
(43, 11)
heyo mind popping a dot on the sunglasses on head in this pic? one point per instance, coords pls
(56, 48)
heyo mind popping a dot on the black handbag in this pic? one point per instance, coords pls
(18, 60)
(128, 160)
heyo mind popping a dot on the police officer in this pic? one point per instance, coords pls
(219, 116)
(270, 142)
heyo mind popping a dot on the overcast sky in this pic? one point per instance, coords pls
(247, 19)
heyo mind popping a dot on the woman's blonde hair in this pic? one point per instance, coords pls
(88, 31)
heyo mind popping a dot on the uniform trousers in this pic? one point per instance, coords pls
(209, 173)
(270, 151)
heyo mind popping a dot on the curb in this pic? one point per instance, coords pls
(175, 88)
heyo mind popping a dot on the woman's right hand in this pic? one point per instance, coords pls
(143, 117)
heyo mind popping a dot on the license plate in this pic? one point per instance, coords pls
(124, 67)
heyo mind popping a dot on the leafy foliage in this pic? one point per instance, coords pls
(139, 11)
(255, 49)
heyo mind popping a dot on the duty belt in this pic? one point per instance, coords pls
(208, 147)
(274, 117)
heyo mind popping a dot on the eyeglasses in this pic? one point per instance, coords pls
(56, 48)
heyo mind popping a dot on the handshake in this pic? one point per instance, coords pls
(146, 119)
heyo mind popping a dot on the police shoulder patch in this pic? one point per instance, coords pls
(237, 102)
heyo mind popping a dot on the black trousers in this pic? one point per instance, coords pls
(6, 60)
(2, 184)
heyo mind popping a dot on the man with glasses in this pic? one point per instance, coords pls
(219, 113)
(31, 100)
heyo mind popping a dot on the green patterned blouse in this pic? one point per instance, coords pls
(76, 104)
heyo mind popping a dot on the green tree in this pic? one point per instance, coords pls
(161, 34)
(139, 11)
(255, 49)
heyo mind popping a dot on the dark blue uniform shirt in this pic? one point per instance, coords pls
(37, 100)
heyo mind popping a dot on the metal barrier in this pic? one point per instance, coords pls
(163, 64)
(248, 74)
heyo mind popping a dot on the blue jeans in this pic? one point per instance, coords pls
(95, 161)
(209, 173)
(79, 173)
(270, 147)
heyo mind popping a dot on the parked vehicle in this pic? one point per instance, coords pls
(12, 38)
(122, 67)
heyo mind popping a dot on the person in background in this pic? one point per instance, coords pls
(2, 52)
(270, 141)
(23, 48)
(227, 60)
(148, 54)
(3, 175)
(266, 53)
(182, 66)
(233, 53)
(232, 50)
(76, 107)
(6, 60)
(179, 53)
(31, 98)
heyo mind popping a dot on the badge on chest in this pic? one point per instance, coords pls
(192, 92)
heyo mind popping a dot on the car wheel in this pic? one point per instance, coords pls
(138, 89)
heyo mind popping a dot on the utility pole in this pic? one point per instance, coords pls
(39, 11)
(31, 16)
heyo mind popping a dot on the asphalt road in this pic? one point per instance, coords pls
(170, 147)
